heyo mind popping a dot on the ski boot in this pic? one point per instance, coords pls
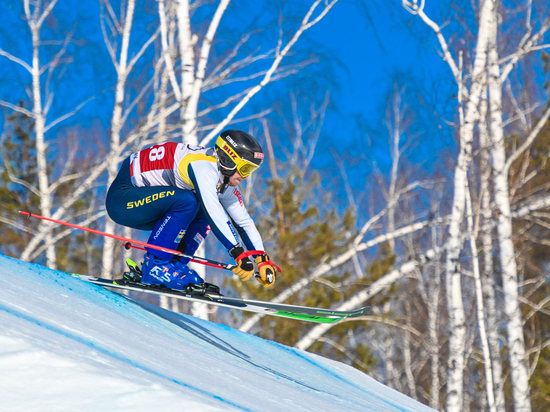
(169, 273)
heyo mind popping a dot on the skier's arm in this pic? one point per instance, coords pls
(233, 203)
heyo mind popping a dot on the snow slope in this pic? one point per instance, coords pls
(66, 345)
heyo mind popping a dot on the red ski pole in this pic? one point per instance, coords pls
(130, 243)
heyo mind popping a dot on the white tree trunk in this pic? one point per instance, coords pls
(193, 79)
(457, 342)
(41, 153)
(516, 345)
(394, 125)
(392, 375)
(116, 126)
(488, 277)
(480, 308)
(407, 354)
(433, 312)
(35, 20)
(186, 43)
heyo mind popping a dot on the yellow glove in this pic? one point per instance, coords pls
(245, 270)
(267, 271)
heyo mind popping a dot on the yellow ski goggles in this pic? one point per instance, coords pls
(243, 166)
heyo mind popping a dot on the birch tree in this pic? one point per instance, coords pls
(172, 99)
(486, 26)
(41, 95)
(431, 296)
(487, 68)
(519, 374)
(480, 305)
(203, 68)
(116, 33)
(119, 148)
(489, 279)
(468, 116)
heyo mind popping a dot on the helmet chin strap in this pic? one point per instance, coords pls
(224, 184)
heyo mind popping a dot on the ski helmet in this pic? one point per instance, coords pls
(237, 150)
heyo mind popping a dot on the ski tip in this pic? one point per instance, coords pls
(360, 312)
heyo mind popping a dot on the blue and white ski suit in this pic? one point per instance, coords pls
(173, 189)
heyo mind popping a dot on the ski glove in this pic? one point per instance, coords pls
(245, 270)
(267, 271)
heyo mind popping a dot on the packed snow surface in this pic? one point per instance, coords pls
(67, 345)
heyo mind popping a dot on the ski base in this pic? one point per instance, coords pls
(210, 294)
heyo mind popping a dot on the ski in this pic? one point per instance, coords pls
(304, 313)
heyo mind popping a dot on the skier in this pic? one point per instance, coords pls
(182, 192)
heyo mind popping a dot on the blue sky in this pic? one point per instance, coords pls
(375, 46)
(371, 50)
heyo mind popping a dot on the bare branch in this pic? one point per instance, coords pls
(360, 298)
(17, 225)
(259, 115)
(525, 49)
(219, 72)
(413, 8)
(305, 24)
(142, 50)
(46, 12)
(324, 268)
(21, 182)
(134, 102)
(16, 60)
(527, 143)
(65, 233)
(65, 179)
(344, 351)
(385, 321)
(66, 116)
(16, 108)
(102, 19)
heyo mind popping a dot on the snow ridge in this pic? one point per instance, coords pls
(68, 345)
